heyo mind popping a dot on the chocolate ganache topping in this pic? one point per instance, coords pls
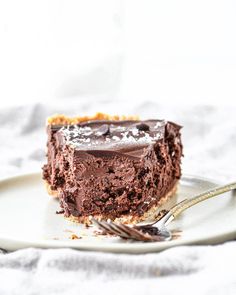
(127, 137)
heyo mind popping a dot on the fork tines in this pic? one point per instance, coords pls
(122, 230)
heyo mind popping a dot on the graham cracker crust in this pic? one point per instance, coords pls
(51, 192)
(59, 119)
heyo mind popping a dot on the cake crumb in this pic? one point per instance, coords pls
(176, 234)
(60, 212)
(75, 237)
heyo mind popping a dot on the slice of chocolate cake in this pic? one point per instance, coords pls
(112, 167)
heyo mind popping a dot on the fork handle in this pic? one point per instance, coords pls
(182, 206)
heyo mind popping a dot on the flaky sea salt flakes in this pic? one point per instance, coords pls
(116, 138)
(135, 131)
(159, 124)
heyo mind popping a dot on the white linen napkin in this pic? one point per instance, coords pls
(180, 270)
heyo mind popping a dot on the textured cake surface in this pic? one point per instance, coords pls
(112, 168)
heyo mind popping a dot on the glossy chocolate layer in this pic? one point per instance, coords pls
(113, 168)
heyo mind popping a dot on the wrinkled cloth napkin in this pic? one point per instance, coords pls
(209, 137)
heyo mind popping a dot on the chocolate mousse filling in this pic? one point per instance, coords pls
(117, 169)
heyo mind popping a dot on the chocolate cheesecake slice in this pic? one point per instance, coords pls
(112, 167)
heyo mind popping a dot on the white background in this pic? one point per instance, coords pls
(167, 51)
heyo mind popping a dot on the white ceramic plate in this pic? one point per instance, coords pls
(28, 219)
